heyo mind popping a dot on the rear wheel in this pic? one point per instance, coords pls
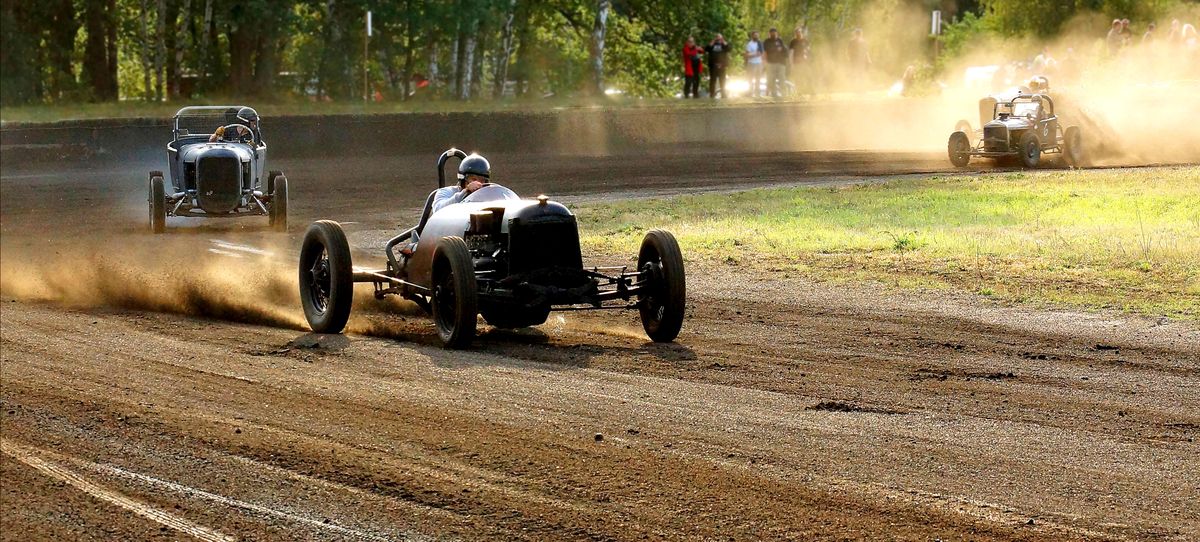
(1030, 149)
(1072, 148)
(157, 199)
(326, 277)
(455, 300)
(664, 301)
(959, 149)
(279, 203)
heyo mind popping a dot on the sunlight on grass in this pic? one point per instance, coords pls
(1123, 239)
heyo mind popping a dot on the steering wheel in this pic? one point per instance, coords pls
(246, 136)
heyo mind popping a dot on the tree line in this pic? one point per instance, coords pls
(64, 51)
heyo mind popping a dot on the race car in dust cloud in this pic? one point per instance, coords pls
(511, 260)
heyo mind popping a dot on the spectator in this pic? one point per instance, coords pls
(754, 63)
(1174, 36)
(1126, 33)
(777, 61)
(692, 66)
(1148, 37)
(860, 57)
(1115, 40)
(718, 60)
(858, 54)
(1044, 64)
(799, 54)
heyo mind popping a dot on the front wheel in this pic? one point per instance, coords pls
(959, 148)
(158, 203)
(1072, 148)
(664, 300)
(1031, 149)
(455, 298)
(279, 203)
(326, 277)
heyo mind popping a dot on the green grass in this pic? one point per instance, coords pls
(1118, 239)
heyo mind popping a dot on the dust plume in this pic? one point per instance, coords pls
(177, 276)
(1135, 105)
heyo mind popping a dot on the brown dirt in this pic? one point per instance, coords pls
(786, 409)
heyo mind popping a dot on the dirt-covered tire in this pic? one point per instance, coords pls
(959, 149)
(279, 203)
(326, 277)
(1072, 148)
(270, 186)
(455, 298)
(157, 200)
(1029, 149)
(508, 317)
(663, 302)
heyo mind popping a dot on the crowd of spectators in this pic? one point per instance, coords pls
(775, 67)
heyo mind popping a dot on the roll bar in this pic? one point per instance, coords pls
(442, 163)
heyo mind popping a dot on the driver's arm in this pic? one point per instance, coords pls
(217, 135)
(448, 196)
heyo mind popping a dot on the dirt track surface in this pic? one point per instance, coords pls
(786, 409)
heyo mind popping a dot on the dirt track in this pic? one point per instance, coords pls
(786, 408)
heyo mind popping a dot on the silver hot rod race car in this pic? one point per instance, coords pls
(216, 158)
(508, 259)
(1021, 125)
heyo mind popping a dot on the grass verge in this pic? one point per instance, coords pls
(1116, 239)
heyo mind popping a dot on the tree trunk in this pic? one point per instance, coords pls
(100, 48)
(63, 28)
(500, 76)
(433, 64)
(144, 35)
(160, 49)
(596, 53)
(467, 65)
(180, 41)
(407, 72)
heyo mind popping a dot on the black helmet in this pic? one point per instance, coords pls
(474, 164)
(247, 115)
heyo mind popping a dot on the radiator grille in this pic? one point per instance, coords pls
(218, 184)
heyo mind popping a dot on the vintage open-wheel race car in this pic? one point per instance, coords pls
(1020, 125)
(511, 260)
(217, 176)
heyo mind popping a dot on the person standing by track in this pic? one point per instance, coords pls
(754, 64)
(718, 61)
(693, 64)
(777, 61)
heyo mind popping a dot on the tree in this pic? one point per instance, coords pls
(100, 49)
(596, 53)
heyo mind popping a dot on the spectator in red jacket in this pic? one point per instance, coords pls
(692, 66)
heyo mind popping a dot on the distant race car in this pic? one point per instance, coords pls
(1021, 125)
(216, 158)
(511, 260)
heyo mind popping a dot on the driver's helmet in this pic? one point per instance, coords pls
(247, 115)
(474, 164)
(1039, 85)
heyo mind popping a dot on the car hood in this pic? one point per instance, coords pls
(1012, 123)
(192, 152)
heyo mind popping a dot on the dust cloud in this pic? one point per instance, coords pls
(1134, 106)
(178, 276)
